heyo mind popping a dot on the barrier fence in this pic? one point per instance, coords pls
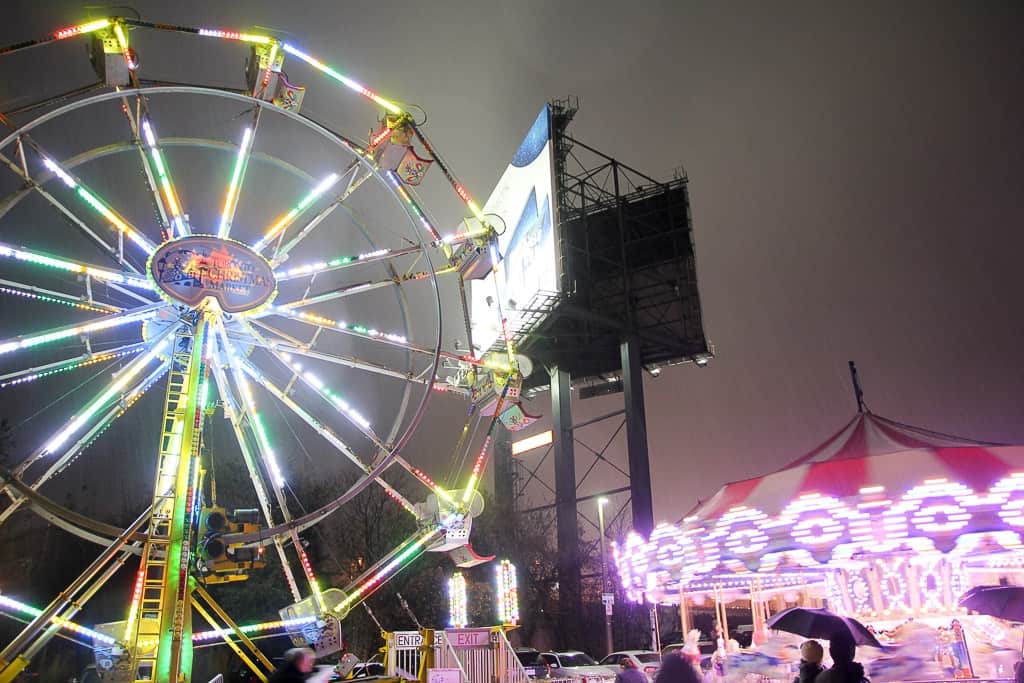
(480, 655)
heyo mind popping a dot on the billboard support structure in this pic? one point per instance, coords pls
(565, 505)
(636, 438)
(626, 303)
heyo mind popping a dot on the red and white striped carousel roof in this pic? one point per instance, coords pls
(869, 451)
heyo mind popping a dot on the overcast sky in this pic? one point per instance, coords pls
(856, 181)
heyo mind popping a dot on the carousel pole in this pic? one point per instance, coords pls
(725, 624)
(684, 612)
(756, 615)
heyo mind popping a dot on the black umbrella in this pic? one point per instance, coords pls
(820, 623)
(1005, 602)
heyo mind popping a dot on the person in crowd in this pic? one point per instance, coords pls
(691, 649)
(844, 669)
(675, 669)
(811, 654)
(1018, 672)
(298, 664)
(629, 673)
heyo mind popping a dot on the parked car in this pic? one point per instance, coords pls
(531, 661)
(743, 634)
(577, 665)
(366, 670)
(705, 657)
(645, 660)
(706, 647)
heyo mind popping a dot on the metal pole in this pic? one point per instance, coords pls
(858, 393)
(76, 605)
(242, 638)
(504, 481)
(655, 629)
(601, 502)
(565, 506)
(636, 438)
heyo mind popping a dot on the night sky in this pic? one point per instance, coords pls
(857, 182)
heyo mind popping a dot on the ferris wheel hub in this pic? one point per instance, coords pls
(190, 270)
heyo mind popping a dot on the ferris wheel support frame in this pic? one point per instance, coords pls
(183, 410)
(12, 658)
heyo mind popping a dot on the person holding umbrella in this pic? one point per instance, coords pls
(811, 654)
(844, 669)
(843, 634)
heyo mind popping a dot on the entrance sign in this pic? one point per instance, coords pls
(408, 639)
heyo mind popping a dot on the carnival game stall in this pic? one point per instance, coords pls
(884, 522)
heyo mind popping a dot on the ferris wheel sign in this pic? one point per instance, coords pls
(190, 269)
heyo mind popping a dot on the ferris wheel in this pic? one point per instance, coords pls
(225, 249)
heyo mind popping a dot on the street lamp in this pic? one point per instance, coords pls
(605, 593)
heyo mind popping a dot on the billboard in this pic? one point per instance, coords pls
(524, 202)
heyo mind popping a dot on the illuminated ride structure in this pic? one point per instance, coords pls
(222, 303)
(883, 521)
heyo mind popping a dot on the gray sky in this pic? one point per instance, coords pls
(856, 181)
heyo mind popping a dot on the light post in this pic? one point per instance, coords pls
(605, 593)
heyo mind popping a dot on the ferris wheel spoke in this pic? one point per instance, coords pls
(264, 449)
(340, 293)
(360, 332)
(105, 275)
(234, 414)
(355, 180)
(115, 252)
(297, 348)
(360, 288)
(377, 575)
(124, 402)
(157, 346)
(343, 408)
(52, 296)
(247, 409)
(133, 119)
(277, 228)
(106, 322)
(128, 293)
(238, 176)
(163, 174)
(323, 430)
(68, 364)
(342, 262)
(98, 205)
(339, 404)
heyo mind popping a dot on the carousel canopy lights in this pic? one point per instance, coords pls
(846, 508)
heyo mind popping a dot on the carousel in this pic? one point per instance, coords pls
(884, 522)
